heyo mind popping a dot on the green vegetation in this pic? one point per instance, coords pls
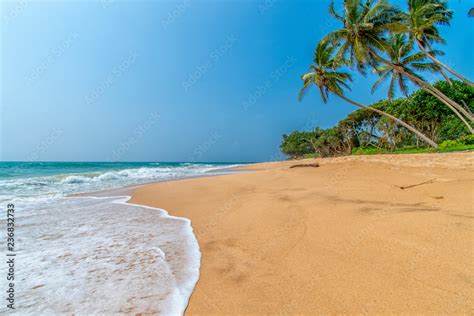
(405, 150)
(367, 132)
(411, 150)
(462, 143)
(320, 142)
(397, 46)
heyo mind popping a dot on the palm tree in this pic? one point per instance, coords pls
(362, 39)
(421, 21)
(325, 76)
(399, 51)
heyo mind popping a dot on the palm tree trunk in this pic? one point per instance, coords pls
(466, 107)
(469, 127)
(440, 95)
(440, 63)
(410, 128)
(441, 71)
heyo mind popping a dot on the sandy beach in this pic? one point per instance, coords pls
(358, 234)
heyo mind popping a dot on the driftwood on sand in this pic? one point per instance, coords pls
(304, 165)
(415, 185)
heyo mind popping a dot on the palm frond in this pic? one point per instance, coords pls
(391, 88)
(402, 84)
(380, 81)
(332, 12)
(425, 67)
(417, 57)
(436, 52)
(324, 73)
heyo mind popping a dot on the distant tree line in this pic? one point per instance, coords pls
(365, 128)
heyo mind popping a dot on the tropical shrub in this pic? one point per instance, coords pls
(457, 143)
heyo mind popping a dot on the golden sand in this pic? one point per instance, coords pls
(346, 237)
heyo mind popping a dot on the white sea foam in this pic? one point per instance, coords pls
(93, 181)
(86, 255)
(102, 256)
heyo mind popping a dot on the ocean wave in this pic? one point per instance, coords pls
(109, 176)
(101, 180)
(74, 180)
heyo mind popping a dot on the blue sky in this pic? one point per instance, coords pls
(170, 80)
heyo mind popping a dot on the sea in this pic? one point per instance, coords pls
(95, 254)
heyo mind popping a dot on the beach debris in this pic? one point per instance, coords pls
(415, 185)
(303, 165)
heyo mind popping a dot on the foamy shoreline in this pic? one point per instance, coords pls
(105, 256)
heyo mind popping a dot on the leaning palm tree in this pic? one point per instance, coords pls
(422, 20)
(399, 51)
(362, 39)
(328, 79)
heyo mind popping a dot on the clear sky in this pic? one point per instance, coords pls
(179, 80)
